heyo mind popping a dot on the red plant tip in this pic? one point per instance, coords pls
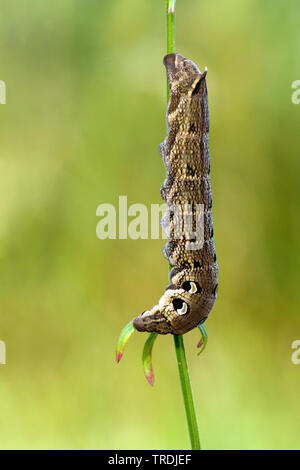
(147, 358)
(150, 378)
(119, 357)
(124, 337)
(203, 341)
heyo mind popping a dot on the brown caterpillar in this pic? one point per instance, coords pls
(190, 297)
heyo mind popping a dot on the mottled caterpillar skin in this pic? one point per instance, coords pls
(190, 297)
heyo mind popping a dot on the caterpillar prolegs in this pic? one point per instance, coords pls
(190, 297)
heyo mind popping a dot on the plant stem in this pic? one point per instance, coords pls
(170, 14)
(187, 393)
(178, 339)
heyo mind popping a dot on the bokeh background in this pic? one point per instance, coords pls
(84, 116)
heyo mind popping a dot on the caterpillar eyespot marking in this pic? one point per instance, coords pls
(191, 287)
(180, 306)
(190, 297)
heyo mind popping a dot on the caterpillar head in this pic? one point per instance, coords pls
(178, 310)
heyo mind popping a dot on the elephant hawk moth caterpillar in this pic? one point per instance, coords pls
(189, 298)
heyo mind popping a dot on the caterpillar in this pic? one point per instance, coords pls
(189, 298)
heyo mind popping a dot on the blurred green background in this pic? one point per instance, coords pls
(84, 116)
